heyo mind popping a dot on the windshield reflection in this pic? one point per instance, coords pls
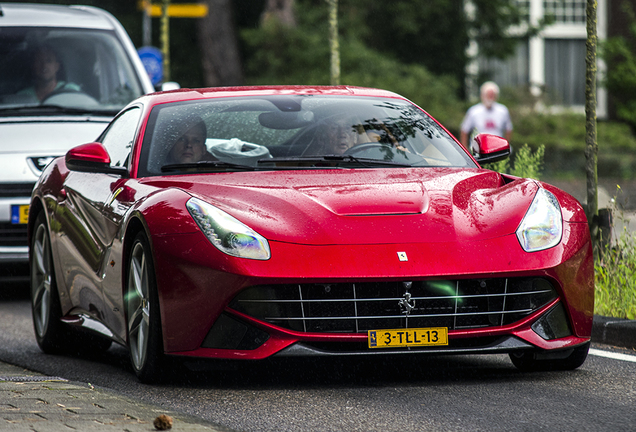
(291, 132)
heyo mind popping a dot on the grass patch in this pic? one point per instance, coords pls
(615, 275)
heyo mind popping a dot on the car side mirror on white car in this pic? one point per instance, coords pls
(169, 85)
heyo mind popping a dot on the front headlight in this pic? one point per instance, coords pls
(228, 234)
(542, 226)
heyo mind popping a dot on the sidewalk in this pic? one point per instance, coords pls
(33, 402)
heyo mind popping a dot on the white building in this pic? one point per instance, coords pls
(551, 63)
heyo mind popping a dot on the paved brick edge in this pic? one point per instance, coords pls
(35, 402)
(614, 331)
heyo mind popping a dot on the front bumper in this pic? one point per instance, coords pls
(14, 254)
(194, 294)
(286, 343)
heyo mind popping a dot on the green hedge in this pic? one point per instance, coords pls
(564, 138)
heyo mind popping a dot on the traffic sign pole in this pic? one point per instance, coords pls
(165, 40)
(164, 11)
(146, 24)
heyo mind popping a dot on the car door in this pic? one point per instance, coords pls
(88, 222)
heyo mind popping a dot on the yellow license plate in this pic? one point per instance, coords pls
(412, 337)
(20, 214)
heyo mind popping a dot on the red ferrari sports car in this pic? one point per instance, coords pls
(252, 222)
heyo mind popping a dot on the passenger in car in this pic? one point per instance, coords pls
(190, 145)
(45, 67)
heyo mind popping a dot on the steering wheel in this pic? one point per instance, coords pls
(364, 147)
(386, 152)
(69, 98)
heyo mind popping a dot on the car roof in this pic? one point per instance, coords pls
(46, 15)
(185, 94)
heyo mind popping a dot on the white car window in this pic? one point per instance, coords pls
(84, 68)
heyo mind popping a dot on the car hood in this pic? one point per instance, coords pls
(375, 206)
(26, 138)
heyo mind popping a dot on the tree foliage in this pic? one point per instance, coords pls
(278, 54)
(619, 54)
(427, 38)
(435, 33)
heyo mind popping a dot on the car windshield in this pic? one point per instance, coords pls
(49, 70)
(294, 132)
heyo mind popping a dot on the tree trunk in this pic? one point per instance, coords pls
(280, 10)
(591, 145)
(219, 46)
(334, 44)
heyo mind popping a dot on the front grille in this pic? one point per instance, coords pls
(13, 234)
(13, 190)
(358, 307)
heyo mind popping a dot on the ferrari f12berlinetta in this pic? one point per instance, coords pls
(252, 222)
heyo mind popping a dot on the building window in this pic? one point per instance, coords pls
(565, 71)
(566, 11)
(511, 72)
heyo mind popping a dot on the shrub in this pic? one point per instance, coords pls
(620, 80)
(615, 275)
(564, 138)
(526, 163)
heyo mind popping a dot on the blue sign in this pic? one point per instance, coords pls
(152, 60)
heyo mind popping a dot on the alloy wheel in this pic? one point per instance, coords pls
(41, 276)
(138, 306)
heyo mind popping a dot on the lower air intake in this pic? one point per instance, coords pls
(358, 307)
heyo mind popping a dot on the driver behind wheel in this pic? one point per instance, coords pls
(45, 69)
(337, 135)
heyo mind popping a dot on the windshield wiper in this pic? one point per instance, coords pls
(304, 160)
(43, 109)
(203, 165)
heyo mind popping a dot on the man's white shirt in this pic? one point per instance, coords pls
(495, 120)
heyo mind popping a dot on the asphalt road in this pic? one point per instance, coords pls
(449, 393)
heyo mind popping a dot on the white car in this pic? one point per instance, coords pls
(65, 72)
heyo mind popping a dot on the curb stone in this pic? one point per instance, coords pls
(614, 331)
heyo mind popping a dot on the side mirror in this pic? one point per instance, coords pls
(491, 148)
(91, 158)
(170, 85)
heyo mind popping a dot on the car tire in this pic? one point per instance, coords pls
(528, 362)
(51, 334)
(143, 319)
